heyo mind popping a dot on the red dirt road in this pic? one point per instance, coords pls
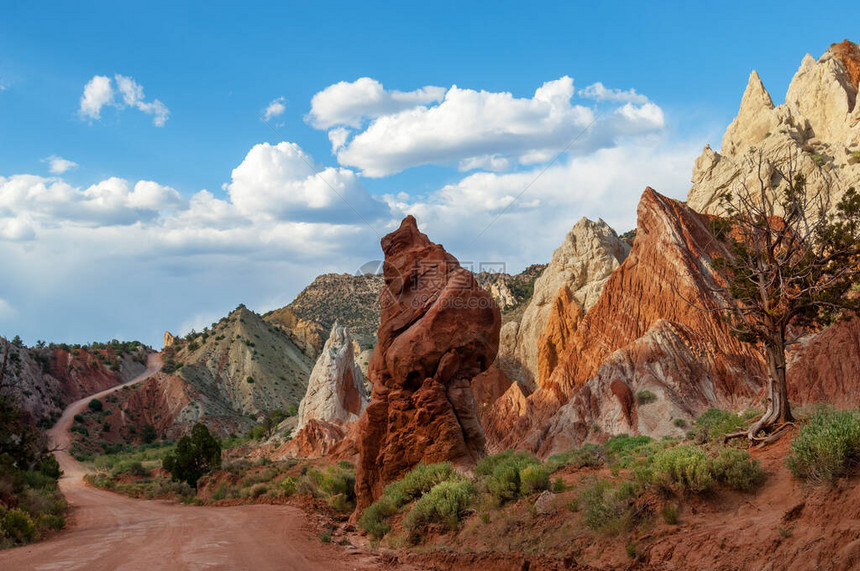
(110, 531)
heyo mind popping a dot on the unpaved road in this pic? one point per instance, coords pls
(110, 531)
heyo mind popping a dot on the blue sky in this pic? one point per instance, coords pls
(121, 242)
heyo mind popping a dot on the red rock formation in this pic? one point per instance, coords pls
(826, 367)
(666, 277)
(84, 373)
(849, 53)
(439, 330)
(487, 388)
(564, 318)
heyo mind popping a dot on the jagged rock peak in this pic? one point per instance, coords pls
(583, 262)
(169, 339)
(336, 386)
(818, 128)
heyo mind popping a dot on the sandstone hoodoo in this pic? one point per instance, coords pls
(439, 330)
(336, 386)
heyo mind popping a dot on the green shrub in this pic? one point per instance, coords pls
(419, 481)
(502, 474)
(590, 455)
(533, 478)
(95, 405)
(680, 423)
(415, 484)
(645, 397)
(683, 468)
(607, 510)
(374, 519)
(18, 526)
(336, 486)
(714, 423)
(623, 449)
(79, 418)
(827, 447)
(670, 514)
(442, 504)
(734, 469)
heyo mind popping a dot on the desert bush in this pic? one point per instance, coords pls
(715, 423)
(827, 447)
(336, 486)
(442, 504)
(683, 468)
(258, 490)
(590, 455)
(533, 478)
(734, 469)
(95, 405)
(502, 474)
(18, 526)
(622, 449)
(607, 509)
(415, 484)
(645, 397)
(419, 481)
(670, 514)
(374, 519)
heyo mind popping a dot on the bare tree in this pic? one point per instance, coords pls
(793, 259)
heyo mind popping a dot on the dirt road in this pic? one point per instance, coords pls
(110, 531)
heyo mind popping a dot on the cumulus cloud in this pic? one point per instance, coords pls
(100, 92)
(31, 200)
(351, 103)
(602, 93)
(282, 182)
(509, 206)
(479, 129)
(275, 109)
(59, 165)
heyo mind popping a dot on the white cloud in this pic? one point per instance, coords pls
(350, 103)
(606, 184)
(132, 96)
(59, 165)
(275, 109)
(99, 92)
(282, 182)
(480, 129)
(600, 92)
(34, 201)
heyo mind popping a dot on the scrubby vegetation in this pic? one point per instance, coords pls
(30, 500)
(827, 447)
(624, 482)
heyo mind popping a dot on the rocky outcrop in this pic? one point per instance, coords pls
(169, 340)
(825, 367)
(646, 332)
(305, 334)
(578, 270)
(439, 330)
(336, 386)
(818, 126)
(487, 388)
